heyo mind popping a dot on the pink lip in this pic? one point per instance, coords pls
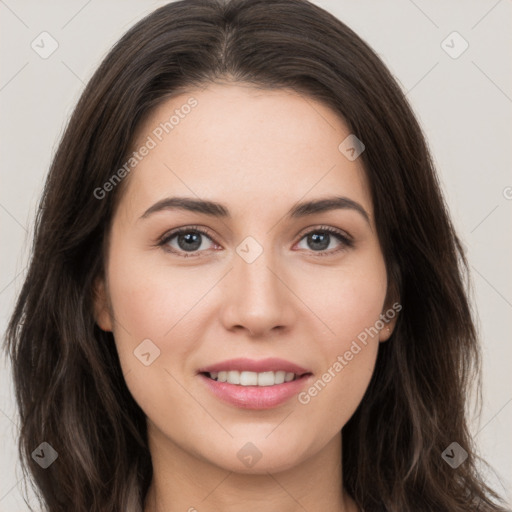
(270, 364)
(255, 397)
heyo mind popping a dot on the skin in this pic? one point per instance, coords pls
(258, 152)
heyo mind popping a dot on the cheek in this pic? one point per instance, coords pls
(349, 362)
(161, 304)
(347, 299)
(150, 300)
(333, 397)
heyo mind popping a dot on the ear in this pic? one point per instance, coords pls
(389, 315)
(102, 314)
(389, 323)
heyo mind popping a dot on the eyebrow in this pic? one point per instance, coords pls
(215, 209)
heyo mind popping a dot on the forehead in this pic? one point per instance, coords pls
(242, 145)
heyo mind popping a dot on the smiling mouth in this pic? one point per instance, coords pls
(260, 379)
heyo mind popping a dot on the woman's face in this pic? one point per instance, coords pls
(265, 281)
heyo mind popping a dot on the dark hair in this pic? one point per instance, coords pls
(69, 385)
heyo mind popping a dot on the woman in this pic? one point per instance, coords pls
(245, 288)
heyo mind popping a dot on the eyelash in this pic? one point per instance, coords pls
(347, 243)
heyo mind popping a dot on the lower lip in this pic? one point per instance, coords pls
(255, 397)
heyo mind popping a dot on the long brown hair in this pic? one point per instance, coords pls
(69, 385)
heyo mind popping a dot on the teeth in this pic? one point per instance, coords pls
(253, 378)
(233, 377)
(245, 378)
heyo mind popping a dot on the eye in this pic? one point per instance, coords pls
(320, 238)
(191, 240)
(188, 240)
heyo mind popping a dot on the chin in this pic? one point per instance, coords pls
(259, 457)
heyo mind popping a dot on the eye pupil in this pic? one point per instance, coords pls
(323, 238)
(193, 241)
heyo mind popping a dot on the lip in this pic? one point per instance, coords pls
(255, 397)
(271, 364)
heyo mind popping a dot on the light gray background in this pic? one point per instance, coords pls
(464, 106)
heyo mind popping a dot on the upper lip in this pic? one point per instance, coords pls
(270, 364)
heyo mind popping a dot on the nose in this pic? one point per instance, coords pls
(257, 297)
